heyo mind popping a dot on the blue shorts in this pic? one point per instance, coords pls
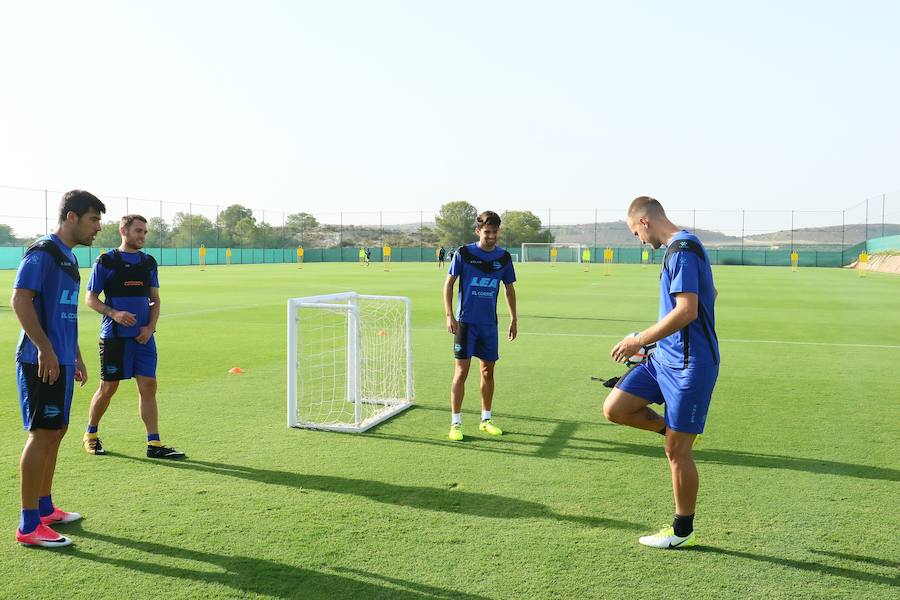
(123, 358)
(45, 406)
(473, 339)
(686, 393)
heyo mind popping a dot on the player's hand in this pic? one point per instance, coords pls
(452, 325)
(123, 317)
(628, 347)
(81, 374)
(144, 336)
(513, 330)
(48, 366)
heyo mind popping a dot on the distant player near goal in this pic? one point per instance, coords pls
(480, 267)
(682, 372)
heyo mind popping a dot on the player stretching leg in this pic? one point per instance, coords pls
(480, 267)
(45, 300)
(130, 284)
(683, 371)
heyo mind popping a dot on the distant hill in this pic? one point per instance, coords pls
(615, 233)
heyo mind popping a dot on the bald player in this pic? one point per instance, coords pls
(682, 373)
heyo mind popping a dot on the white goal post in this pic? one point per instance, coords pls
(541, 252)
(349, 360)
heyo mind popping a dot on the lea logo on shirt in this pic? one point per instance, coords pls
(483, 282)
(69, 297)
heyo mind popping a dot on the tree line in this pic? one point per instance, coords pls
(236, 226)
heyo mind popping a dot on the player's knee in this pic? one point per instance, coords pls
(611, 412)
(678, 450)
(108, 389)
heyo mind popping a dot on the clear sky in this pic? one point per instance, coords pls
(321, 106)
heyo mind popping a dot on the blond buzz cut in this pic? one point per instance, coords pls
(646, 206)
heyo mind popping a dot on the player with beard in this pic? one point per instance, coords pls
(129, 281)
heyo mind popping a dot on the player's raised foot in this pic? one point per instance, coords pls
(489, 428)
(455, 434)
(42, 536)
(164, 452)
(93, 445)
(666, 538)
(60, 517)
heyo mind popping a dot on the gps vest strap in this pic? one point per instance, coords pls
(486, 266)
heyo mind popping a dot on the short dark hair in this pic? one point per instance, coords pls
(127, 220)
(645, 205)
(488, 217)
(79, 202)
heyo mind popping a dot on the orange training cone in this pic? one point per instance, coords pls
(235, 370)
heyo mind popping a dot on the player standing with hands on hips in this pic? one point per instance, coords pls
(48, 359)
(130, 285)
(682, 372)
(480, 267)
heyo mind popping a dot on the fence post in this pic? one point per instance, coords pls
(742, 237)
(792, 231)
(882, 215)
(190, 232)
(867, 225)
(161, 223)
(594, 249)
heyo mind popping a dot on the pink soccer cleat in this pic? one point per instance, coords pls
(59, 517)
(42, 536)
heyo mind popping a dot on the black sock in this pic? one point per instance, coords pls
(683, 525)
(662, 431)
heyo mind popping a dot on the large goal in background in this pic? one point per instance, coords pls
(349, 360)
(543, 252)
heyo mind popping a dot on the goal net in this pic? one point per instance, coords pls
(551, 252)
(349, 360)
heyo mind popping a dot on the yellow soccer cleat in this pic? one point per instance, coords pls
(488, 427)
(93, 445)
(455, 434)
(666, 538)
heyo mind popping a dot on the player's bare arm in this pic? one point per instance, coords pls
(22, 303)
(81, 374)
(685, 312)
(511, 304)
(147, 331)
(452, 324)
(122, 317)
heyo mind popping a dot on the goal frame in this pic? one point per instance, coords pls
(579, 248)
(345, 301)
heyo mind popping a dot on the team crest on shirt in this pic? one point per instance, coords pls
(497, 265)
(683, 244)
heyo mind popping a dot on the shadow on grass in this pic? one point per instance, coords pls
(250, 575)
(448, 500)
(805, 565)
(562, 437)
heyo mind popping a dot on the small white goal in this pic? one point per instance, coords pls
(349, 360)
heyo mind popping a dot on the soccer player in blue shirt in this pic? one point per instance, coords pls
(48, 359)
(129, 282)
(682, 372)
(480, 268)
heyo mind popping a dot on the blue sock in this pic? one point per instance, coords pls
(152, 437)
(92, 428)
(30, 519)
(45, 505)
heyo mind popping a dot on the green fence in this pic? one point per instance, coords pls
(11, 255)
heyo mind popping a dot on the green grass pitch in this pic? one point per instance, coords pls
(800, 483)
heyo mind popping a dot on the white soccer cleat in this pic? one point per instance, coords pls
(666, 538)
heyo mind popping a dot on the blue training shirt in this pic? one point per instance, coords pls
(480, 274)
(55, 301)
(686, 268)
(139, 305)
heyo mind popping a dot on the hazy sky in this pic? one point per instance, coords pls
(356, 106)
